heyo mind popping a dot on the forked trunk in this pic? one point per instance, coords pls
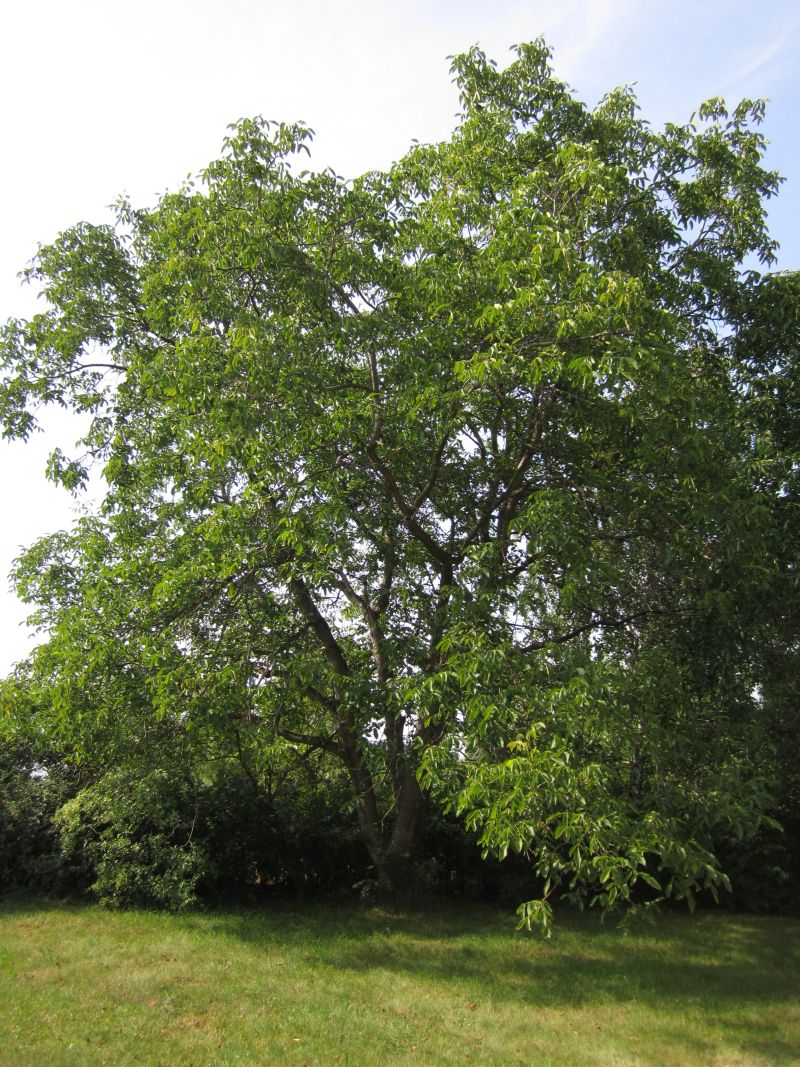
(395, 856)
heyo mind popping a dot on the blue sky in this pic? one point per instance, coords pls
(98, 97)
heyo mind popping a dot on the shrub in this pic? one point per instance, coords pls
(30, 794)
(130, 838)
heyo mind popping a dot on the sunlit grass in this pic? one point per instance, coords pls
(308, 985)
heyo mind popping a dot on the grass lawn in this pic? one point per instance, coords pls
(323, 985)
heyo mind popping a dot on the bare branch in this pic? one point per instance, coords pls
(599, 621)
(408, 511)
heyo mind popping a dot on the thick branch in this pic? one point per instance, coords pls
(312, 741)
(319, 625)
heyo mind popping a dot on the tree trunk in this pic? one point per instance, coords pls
(406, 839)
(400, 871)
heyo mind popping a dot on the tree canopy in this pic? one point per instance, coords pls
(476, 475)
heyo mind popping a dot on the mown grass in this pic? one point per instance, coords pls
(83, 986)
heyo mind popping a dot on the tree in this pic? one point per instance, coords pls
(416, 466)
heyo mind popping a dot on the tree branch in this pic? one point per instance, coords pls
(319, 625)
(327, 744)
(598, 621)
(408, 511)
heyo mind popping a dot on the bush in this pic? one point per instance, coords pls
(169, 839)
(129, 838)
(30, 794)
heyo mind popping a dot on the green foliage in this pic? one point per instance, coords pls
(173, 838)
(132, 834)
(31, 792)
(619, 782)
(474, 473)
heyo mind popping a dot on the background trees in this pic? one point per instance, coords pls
(463, 474)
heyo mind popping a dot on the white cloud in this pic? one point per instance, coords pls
(763, 56)
(586, 35)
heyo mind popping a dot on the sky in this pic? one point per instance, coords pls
(104, 97)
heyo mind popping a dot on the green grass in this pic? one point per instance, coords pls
(308, 985)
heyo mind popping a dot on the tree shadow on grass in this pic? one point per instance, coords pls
(724, 968)
(20, 904)
(737, 972)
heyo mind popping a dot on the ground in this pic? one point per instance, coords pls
(325, 985)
